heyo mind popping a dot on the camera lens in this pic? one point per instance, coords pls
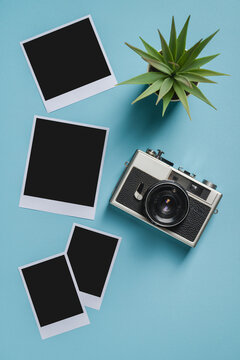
(166, 203)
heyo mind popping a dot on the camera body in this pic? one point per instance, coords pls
(166, 198)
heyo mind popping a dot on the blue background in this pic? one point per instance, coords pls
(163, 300)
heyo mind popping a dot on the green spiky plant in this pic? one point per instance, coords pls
(174, 72)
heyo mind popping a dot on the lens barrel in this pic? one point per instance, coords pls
(166, 203)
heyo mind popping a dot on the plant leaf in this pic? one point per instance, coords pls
(173, 40)
(204, 43)
(159, 66)
(183, 80)
(151, 51)
(140, 52)
(165, 87)
(147, 78)
(166, 100)
(167, 54)
(181, 40)
(197, 78)
(197, 63)
(206, 72)
(197, 92)
(188, 57)
(182, 96)
(175, 64)
(150, 90)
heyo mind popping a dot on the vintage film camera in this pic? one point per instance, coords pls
(170, 200)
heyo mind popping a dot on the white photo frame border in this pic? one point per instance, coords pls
(89, 300)
(82, 92)
(55, 206)
(64, 325)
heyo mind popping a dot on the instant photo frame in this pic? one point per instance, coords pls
(60, 286)
(68, 63)
(64, 167)
(47, 282)
(91, 254)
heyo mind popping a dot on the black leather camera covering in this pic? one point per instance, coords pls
(188, 228)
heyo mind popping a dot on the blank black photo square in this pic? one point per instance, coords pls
(66, 59)
(52, 290)
(90, 254)
(65, 161)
